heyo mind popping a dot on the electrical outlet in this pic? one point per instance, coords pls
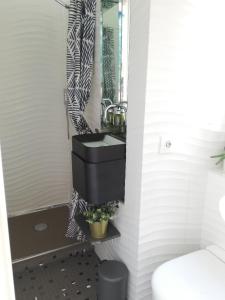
(166, 144)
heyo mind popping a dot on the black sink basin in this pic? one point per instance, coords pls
(99, 147)
(99, 167)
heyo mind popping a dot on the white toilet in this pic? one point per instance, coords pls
(199, 275)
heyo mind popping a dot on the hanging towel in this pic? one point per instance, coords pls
(80, 60)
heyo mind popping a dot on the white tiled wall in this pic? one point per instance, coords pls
(183, 93)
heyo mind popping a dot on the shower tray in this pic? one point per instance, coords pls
(38, 232)
(47, 265)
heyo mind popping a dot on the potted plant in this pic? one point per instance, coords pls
(98, 218)
(221, 159)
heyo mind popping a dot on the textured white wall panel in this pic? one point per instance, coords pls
(35, 148)
(181, 104)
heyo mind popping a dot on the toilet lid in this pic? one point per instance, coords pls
(197, 276)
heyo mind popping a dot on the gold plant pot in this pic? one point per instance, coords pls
(99, 229)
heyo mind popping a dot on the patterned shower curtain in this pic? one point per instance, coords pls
(80, 61)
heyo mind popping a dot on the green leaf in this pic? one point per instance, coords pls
(216, 156)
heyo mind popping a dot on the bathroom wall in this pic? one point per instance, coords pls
(33, 127)
(33, 131)
(184, 103)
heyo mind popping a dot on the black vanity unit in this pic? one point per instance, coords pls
(99, 167)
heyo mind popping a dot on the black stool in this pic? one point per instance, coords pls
(112, 284)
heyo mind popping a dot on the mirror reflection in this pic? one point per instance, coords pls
(111, 50)
(114, 105)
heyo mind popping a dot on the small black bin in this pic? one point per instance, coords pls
(99, 167)
(112, 281)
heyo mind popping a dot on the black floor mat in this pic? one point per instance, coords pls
(72, 277)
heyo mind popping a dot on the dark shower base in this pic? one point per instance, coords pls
(26, 241)
(57, 276)
(47, 265)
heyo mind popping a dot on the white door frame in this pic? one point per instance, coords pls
(6, 274)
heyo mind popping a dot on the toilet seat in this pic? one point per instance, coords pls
(196, 276)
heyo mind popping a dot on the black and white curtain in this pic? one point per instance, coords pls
(80, 62)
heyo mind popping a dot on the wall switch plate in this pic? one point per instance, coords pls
(166, 144)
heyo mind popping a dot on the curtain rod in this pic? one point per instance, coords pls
(63, 4)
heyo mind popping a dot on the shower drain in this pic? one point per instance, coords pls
(40, 227)
(68, 278)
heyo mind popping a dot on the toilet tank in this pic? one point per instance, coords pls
(213, 225)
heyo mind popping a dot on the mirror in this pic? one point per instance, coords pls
(111, 19)
(113, 64)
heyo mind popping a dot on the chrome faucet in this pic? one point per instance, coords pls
(121, 109)
(106, 112)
